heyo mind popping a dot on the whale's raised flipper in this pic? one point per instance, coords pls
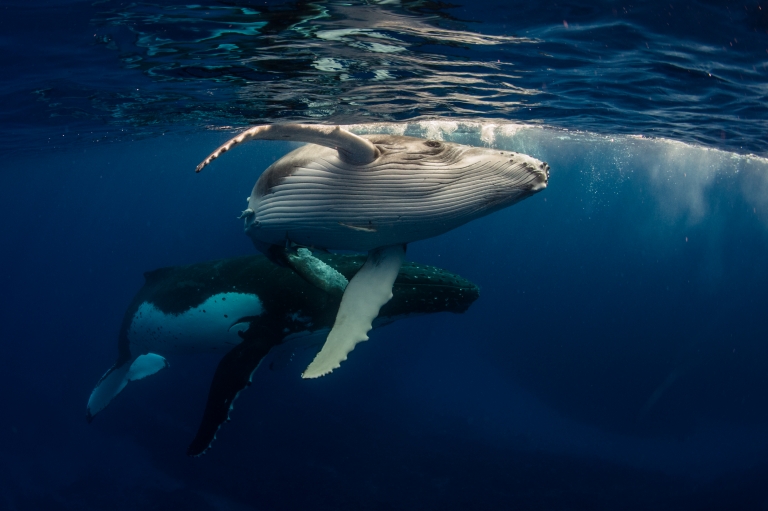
(232, 375)
(118, 376)
(367, 292)
(352, 149)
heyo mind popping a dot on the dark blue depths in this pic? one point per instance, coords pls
(615, 358)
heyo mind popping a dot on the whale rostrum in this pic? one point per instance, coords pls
(376, 194)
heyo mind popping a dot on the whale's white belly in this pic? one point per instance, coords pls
(209, 326)
(363, 210)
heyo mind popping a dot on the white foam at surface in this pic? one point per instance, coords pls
(488, 134)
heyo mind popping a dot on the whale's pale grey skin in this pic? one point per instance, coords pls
(373, 193)
(244, 307)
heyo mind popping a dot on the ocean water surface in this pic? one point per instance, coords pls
(616, 357)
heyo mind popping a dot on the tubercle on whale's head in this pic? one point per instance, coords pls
(541, 172)
(525, 176)
(525, 172)
(502, 178)
(516, 175)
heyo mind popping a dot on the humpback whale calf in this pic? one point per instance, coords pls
(373, 193)
(243, 308)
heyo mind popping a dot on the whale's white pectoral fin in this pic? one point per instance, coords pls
(146, 365)
(366, 293)
(115, 380)
(351, 148)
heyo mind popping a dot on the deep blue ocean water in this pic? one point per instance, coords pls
(617, 357)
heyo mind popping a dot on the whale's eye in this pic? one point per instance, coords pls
(432, 143)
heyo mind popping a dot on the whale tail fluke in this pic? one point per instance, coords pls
(118, 377)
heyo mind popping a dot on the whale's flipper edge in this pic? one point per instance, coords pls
(118, 376)
(232, 375)
(352, 149)
(367, 292)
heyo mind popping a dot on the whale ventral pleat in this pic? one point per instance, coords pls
(277, 172)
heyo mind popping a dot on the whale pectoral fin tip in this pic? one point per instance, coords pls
(316, 372)
(205, 163)
(233, 374)
(118, 376)
(365, 294)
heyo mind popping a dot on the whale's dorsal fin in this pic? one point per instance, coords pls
(365, 294)
(352, 149)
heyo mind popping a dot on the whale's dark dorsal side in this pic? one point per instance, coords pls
(243, 308)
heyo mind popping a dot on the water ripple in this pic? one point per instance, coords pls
(607, 70)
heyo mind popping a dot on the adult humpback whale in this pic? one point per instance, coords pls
(373, 193)
(243, 308)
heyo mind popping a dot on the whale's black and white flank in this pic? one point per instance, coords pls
(243, 308)
(373, 193)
